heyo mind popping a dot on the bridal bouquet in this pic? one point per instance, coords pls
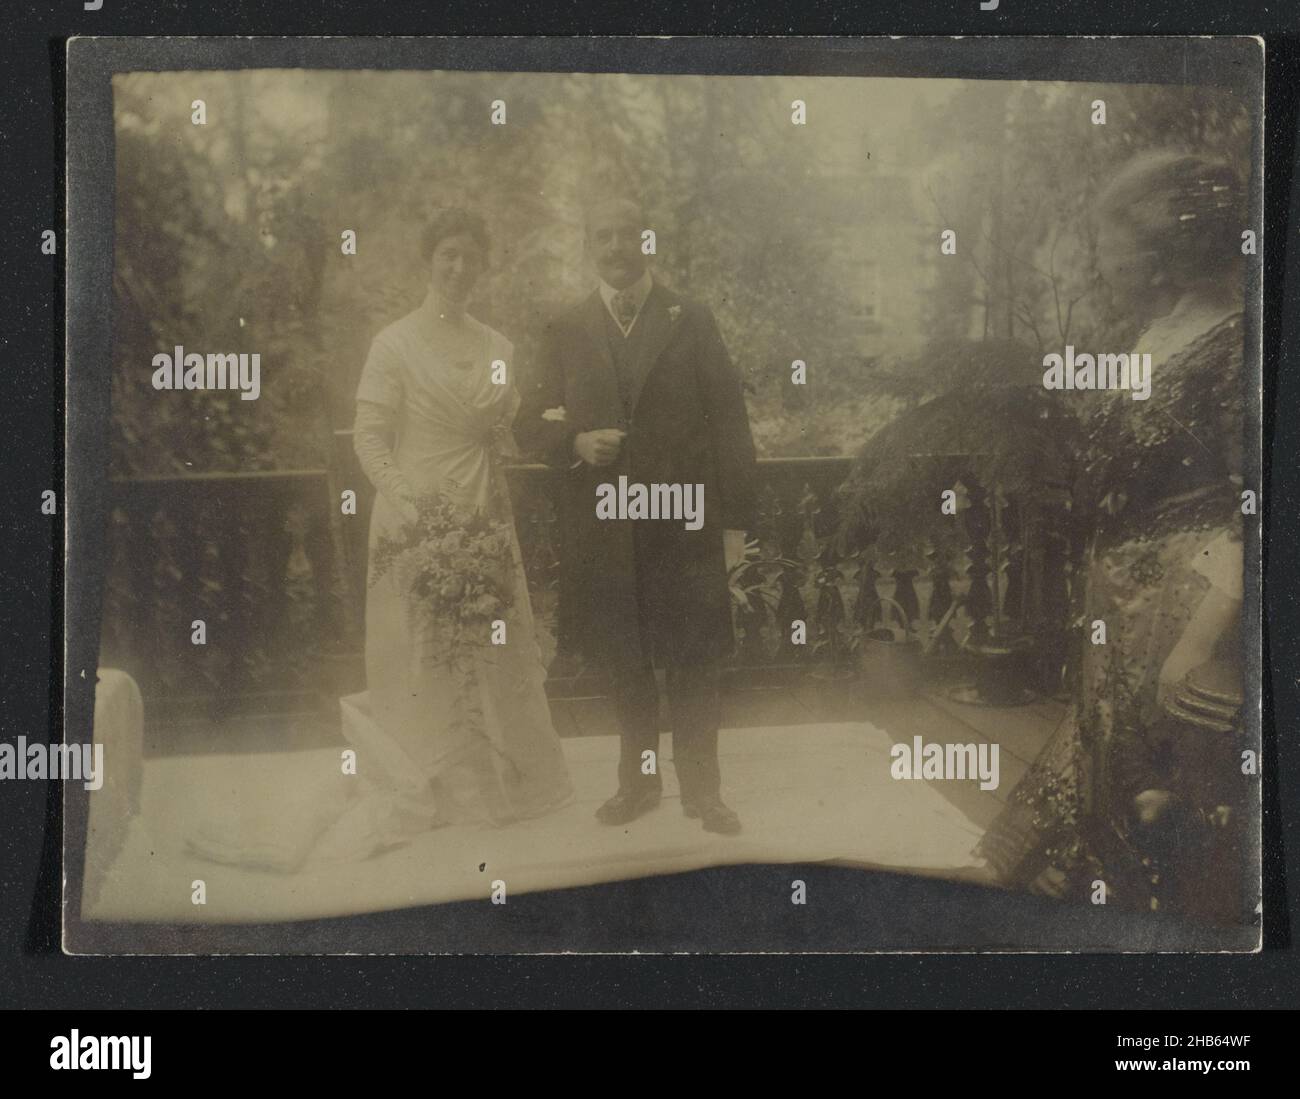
(454, 567)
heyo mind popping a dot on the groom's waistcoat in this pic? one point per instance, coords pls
(628, 355)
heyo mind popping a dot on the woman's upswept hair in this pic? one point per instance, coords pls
(449, 222)
(1187, 208)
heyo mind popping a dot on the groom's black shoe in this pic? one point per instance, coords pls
(715, 816)
(627, 805)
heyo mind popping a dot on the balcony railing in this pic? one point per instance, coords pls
(275, 569)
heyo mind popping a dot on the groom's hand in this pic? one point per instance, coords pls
(733, 548)
(600, 447)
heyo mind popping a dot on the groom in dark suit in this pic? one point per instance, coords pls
(635, 381)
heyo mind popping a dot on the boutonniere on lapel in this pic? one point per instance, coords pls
(556, 415)
(674, 314)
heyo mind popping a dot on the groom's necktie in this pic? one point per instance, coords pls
(624, 305)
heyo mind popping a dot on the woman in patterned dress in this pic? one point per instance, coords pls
(1164, 568)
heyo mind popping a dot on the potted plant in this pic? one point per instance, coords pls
(889, 653)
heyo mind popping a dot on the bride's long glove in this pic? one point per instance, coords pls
(372, 433)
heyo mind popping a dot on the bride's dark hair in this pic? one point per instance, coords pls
(1187, 208)
(453, 221)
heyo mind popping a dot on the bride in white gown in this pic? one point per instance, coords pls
(433, 746)
(437, 746)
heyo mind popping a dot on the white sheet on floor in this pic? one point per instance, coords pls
(805, 793)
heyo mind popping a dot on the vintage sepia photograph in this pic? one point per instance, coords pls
(541, 498)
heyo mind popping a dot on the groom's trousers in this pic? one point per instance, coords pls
(695, 711)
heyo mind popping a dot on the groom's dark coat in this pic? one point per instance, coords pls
(672, 387)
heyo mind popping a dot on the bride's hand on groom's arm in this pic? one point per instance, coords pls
(600, 447)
